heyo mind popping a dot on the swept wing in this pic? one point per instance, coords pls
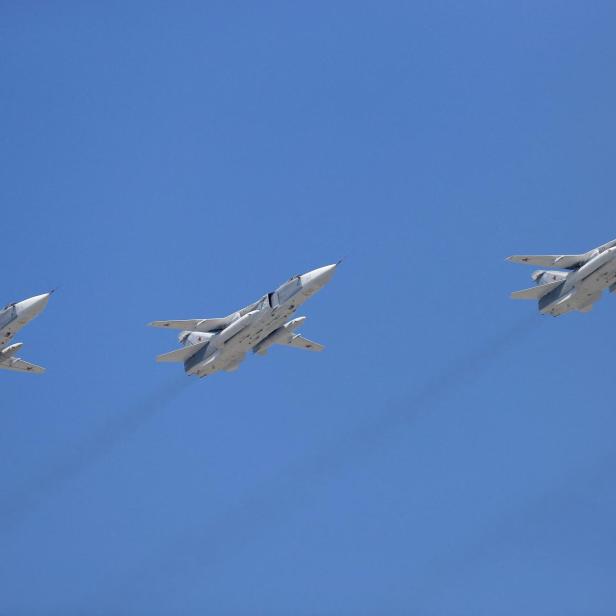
(196, 325)
(561, 261)
(299, 342)
(19, 365)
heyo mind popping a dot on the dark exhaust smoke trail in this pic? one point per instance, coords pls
(464, 369)
(268, 505)
(14, 507)
(585, 488)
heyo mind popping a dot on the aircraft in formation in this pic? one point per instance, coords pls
(578, 288)
(12, 318)
(221, 344)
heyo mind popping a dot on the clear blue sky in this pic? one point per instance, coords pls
(451, 452)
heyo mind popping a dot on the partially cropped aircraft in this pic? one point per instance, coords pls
(559, 292)
(214, 345)
(12, 318)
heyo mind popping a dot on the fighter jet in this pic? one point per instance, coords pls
(12, 318)
(559, 292)
(221, 344)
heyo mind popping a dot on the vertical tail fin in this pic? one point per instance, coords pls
(546, 276)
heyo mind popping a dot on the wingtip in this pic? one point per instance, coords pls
(156, 324)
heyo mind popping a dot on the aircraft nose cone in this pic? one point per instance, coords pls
(318, 277)
(34, 305)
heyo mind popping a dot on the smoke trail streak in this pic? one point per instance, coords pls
(270, 504)
(14, 507)
(503, 535)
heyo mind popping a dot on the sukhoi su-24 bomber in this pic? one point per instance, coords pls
(214, 345)
(559, 292)
(12, 318)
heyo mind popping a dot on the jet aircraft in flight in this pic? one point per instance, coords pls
(212, 345)
(578, 288)
(12, 318)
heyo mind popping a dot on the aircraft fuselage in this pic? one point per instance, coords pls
(582, 287)
(226, 349)
(18, 314)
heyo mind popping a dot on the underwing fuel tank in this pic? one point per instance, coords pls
(10, 350)
(277, 334)
(235, 328)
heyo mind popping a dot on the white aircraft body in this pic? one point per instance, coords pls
(559, 292)
(212, 345)
(12, 318)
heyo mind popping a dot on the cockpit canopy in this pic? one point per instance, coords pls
(282, 294)
(288, 289)
(263, 303)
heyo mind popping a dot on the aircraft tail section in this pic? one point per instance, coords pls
(546, 276)
(181, 355)
(536, 292)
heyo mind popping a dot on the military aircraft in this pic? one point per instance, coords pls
(212, 345)
(559, 292)
(12, 318)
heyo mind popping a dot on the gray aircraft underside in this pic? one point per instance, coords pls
(12, 318)
(221, 344)
(576, 289)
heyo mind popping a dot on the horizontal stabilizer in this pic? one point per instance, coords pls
(196, 325)
(536, 292)
(299, 342)
(562, 261)
(181, 355)
(20, 365)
